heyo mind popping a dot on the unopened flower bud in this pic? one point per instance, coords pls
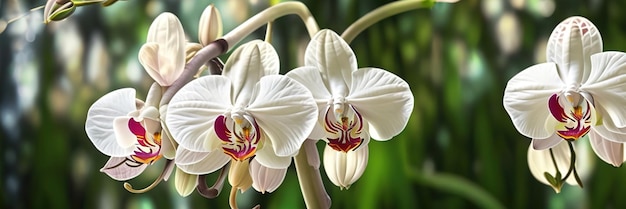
(56, 10)
(190, 50)
(185, 183)
(210, 27)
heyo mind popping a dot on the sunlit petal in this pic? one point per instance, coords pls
(526, 99)
(123, 168)
(610, 152)
(100, 121)
(311, 78)
(570, 45)
(539, 162)
(285, 111)
(192, 111)
(266, 179)
(200, 162)
(334, 58)
(247, 64)
(384, 100)
(606, 84)
(345, 168)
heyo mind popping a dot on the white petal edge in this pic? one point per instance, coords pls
(384, 100)
(526, 99)
(334, 58)
(285, 110)
(606, 85)
(199, 163)
(100, 121)
(192, 111)
(266, 179)
(343, 169)
(609, 151)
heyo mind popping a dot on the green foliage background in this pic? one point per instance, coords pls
(459, 150)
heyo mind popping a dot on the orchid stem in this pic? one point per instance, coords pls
(156, 182)
(232, 200)
(310, 180)
(223, 45)
(381, 13)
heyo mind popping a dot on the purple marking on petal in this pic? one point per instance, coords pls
(556, 109)
(136, 127)
(220, 128)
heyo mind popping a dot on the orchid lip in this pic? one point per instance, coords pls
(574, 119)
(148, 149)
(345, 129)
(241, 140)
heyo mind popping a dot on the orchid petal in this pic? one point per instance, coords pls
(570, 46)
(609, 134)
(345, 168)
(285, 111)
(192, 112)
(526, 99)
(185, 183)
(123, 128)
(200, 162)
(167, 148)
(266, 179)
(122, 169)
(541, 144)
(247, 64)
(100, 121)
(606, 84)
(166, 31)
(268, 158)
(384, 100)
(539, 162)
(333, 57)
(610, 152)
(311, 78)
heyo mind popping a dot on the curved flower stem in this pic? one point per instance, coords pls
(213, 191)
(459, 186)
(232, 200)
(166, 171)
(221, 46)
(381, 13)
(309, 177)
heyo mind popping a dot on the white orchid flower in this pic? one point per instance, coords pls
(354, 104)
(163, 54)
(579, 91)
(249, 113)
(128, 130)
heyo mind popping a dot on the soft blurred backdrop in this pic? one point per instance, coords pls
(459, 150)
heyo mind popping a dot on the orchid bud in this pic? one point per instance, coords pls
(210, 27)
(344, 168)
(185, 183)
(239, 175)
(163, 54)
(56, 10)
(190, 50)
(266, 179)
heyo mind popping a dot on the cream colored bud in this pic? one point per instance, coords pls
(56, 10)
(239, 175)
(163, 54)
(344, 168)
(190, 50)
(266, 179)
(210, 27)
(185, 183)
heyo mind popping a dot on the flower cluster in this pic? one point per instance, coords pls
(246, 118)
(578, 92)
